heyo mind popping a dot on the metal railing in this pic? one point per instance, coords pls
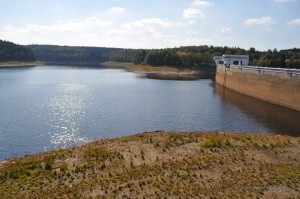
(269, 69)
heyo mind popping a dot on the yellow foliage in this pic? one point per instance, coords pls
(181, 54)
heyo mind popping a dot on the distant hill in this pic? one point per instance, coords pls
(13, 52)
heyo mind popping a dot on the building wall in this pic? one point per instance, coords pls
(274, 87)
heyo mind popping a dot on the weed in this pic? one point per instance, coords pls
(101, 165)
(125, 139)
(211, 143)
(48, 162)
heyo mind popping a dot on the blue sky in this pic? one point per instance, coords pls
(263, 24)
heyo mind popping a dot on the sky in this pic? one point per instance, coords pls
(262, 24)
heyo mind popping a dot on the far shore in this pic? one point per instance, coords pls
(73, 63)
(153, 72)
(162, 72)
(16, 64)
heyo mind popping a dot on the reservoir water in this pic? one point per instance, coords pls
(43, 108)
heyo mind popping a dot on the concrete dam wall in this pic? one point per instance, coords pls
(277, 86)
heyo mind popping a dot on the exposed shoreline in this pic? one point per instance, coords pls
(161, 164)
(162, 72)
(19, 64)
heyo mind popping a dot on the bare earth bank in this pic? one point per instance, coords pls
(160, 164)
(18, 64)
(163, 72)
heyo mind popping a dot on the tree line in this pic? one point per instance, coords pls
(51, 53)
(181, 57)
(13, 52)
(201, 56)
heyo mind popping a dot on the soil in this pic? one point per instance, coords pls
(164, 72)
(161, 165)
(18, 64)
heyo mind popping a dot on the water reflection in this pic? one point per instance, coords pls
(49, 107)
(286, 120)
(66, 114)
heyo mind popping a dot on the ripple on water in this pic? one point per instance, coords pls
(66, 114)
(43, 108)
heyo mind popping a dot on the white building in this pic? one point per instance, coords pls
(229, 60)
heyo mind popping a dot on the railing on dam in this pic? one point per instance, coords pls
(289, 71)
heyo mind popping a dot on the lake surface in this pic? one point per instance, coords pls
(48, 107)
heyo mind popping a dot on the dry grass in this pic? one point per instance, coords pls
(161, 164)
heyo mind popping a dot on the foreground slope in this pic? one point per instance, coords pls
(160, 164)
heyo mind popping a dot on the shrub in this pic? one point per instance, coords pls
(211, 143)
(48, 162)
(101, 165)
(125, 139)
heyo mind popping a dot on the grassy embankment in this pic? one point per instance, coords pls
(160, 164)
(164, 72)
(17, 64)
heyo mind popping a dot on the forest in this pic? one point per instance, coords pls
(180, 57)
(13, 52)
(54, 53)
(199, 56)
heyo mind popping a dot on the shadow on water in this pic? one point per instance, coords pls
(284, 119)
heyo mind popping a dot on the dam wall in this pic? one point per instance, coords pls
(274, 85)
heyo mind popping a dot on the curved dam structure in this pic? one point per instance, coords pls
(275, 85)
